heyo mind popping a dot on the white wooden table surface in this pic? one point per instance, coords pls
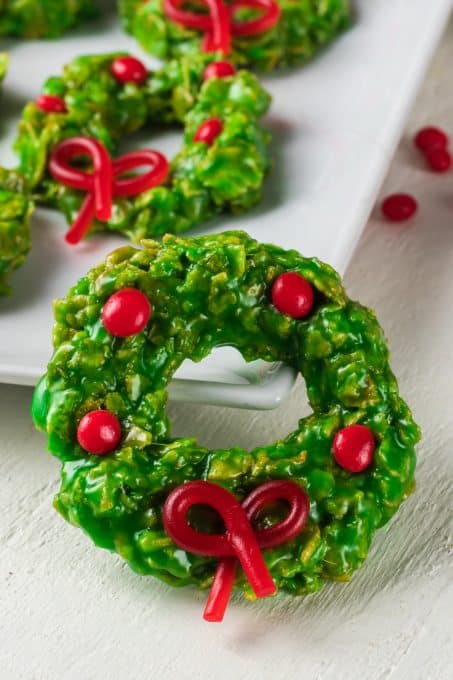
(69, 611)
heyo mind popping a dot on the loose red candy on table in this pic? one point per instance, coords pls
(439, 160)
(399, 207)
(431, 138)
(353, 448)
(129, 70)
(292, 295)
(126, 313)
(99, 432)
(209, 131)
(219, 69)
(50, 103)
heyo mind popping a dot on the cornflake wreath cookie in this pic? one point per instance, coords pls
(120, 335)
(15, 212)
(43, 18)
(3, 65)
(262, 33)
(221, 165)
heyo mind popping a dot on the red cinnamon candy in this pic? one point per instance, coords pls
(218, 69)
(399, 207)
(209, 131)
(219, 25)
(50, 103)
(104, 182)
(240, 541)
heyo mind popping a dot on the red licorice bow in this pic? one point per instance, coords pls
(103, 183)
(219, 25)
(240, 540)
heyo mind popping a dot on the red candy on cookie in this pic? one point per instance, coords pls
(292, 295)
(99, 432)
(50, 103)
(219, 69)
(126, 312)
(129, 70)
(106, 181)
(241, 539)
(353, 448)
(219, 24)
(209, 131)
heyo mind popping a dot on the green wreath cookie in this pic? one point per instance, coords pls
(3, 65)
(262, 33)
(42, 18)
(223, 160)
(120, 335)
(15, 212)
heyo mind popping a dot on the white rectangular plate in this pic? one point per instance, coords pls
(335, 124)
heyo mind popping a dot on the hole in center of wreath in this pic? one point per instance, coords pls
(167, 140)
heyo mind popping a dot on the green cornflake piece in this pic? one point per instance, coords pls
(305, 26)
(206, 292)
(43, 18)
(204, 180)
(15, 212)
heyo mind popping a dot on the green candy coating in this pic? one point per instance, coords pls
(4, 60)
(304, 27)
(204, 180)
(43, 18)
(15, 212)
(206, 292)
